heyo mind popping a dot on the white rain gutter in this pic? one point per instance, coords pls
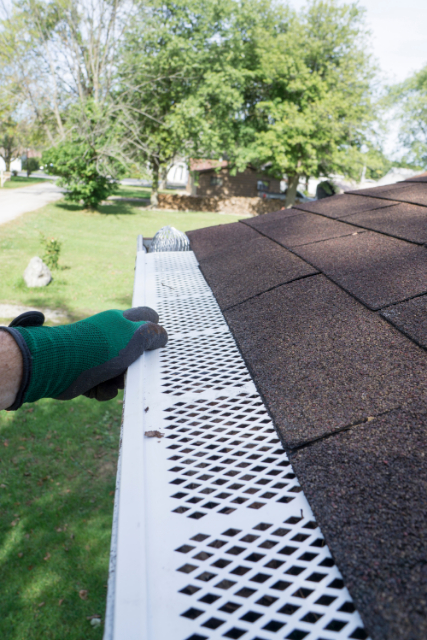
(212, 534)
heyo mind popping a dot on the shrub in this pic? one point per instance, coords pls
(52, 249)
(76, 163)
(30, 164)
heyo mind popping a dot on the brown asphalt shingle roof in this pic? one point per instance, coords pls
(328, 304)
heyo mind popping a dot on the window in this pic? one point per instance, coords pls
(263, 185)
(215, 181)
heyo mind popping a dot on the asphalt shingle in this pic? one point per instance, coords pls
(341, 206)
(368, 490)
(345, 383)
(321, 360)
(212, 240)
(405, 221)
(411, 318)
(376, 269)
(401, 191)
(296, 230)
(422, 177)
(245, 270)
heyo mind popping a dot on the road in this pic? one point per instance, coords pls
(15, 202)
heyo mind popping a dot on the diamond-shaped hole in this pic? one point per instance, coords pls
(192, 613)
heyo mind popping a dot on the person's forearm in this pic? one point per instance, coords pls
(10, 370)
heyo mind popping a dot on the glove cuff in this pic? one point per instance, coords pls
(26, 367)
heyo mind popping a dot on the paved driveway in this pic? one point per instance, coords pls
(15, 202)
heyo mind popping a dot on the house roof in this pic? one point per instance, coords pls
(207, 165)
(328, 304)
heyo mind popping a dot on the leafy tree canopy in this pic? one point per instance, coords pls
(410, 98)
(312, 101)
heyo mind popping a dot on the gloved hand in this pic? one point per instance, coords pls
(88, 357)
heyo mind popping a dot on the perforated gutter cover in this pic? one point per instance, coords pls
(212, 536)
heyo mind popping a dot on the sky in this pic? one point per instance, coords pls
(399, 42)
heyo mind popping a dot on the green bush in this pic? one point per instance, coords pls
(30, 164)
(52, 249)
(76, 163)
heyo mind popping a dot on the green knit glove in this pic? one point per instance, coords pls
(89, 357)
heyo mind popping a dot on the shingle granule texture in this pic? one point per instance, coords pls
(212, 240)
(340, 206)
(368, 490)
(305, 228)
(321, 360)
(406, 221)
(374, 191)
(421, 178)
(376, 269)
(240, 272)
(411, 318)
(402, 191)
(276, 216)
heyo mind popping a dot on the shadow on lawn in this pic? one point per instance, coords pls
(49, 298)
(122, 208)
(57, 480)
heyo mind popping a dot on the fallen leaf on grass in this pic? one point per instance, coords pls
(42, 604)
(30, 568)
(5, 443)
(20, 554)
(153, 434)
(60, 602)
(83, 594)
(47, 556)
(3, 486)
(14, 522)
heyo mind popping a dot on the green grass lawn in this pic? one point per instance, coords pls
(21, 181)
(128, 191)
(97, 257)
(58, 459)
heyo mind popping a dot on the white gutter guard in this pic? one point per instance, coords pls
(212, 537)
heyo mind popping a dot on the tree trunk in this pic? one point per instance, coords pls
(154, 198)
(291, 191)
(163, 177)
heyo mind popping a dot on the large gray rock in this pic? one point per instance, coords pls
(37, 274)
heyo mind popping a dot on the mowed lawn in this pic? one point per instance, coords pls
(58, 459)
(21, 181)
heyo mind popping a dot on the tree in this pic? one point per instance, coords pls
(88, 161)
(54, 53)
(410, 98)
(10, 143)
(183, 77)
(76, 164)
(312, 101)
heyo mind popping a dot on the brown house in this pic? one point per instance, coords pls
(213, 178)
